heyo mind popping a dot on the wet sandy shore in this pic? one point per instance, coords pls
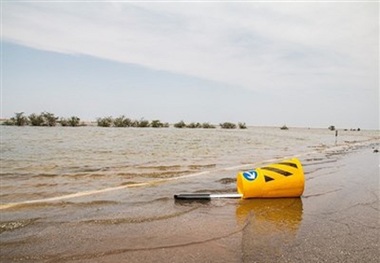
(336, 220)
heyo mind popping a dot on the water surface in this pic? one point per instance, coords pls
(42, 162)
(94, 194)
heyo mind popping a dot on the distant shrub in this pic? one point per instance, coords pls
(140, 124)
(9, 122)
(284, 128)
(207, 125)
(49, 119)
(242, 125)
(332, 128)
(19, 120)
(143, 123)
(135, 123)
(36, 120)
(194, 125)
(72, 121)
(228, 125)
(104, 122)
(122, 122)
(158, 124)
(64, 122)
(180, 124)
(44, 119)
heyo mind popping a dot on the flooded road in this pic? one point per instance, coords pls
(67, 215)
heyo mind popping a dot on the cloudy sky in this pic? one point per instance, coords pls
(305, 63)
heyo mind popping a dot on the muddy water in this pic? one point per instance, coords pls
(105, 195)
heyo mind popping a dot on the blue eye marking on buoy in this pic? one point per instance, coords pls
(250, 175)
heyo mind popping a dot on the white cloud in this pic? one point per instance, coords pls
(311, 50)
(245, 44)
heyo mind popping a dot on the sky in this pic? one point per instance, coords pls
(298, 63)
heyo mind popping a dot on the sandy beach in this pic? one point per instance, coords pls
(335, 220)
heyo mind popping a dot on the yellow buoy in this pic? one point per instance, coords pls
(283, 179)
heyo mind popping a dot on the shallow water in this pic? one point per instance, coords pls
(106, 195)
(41, 162)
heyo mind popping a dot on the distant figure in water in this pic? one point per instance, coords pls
(336, 133)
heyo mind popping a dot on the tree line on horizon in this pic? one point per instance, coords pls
(47, 119)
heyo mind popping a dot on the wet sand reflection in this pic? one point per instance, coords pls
(272, 226)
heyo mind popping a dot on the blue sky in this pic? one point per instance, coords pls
(304, 64)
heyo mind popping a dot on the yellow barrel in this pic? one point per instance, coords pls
(283, 179)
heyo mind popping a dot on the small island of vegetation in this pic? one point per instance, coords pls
(47, 119)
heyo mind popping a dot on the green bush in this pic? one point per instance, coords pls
(122, 122)
(157, 124)
(49, 119)
(72, 121)
(242, 125)
(180, 124)
(44, 119)
(194, 125)
(143, 124)
(9, 122)
(140, 124)
(104, 122)
(207, 125)
(19, 120)
(135, 123)
(228, 125)
(36, 120)
(64, 122)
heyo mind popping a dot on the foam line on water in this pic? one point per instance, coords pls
(100, 191)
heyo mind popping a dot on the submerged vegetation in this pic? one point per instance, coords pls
(228, 125)
(43, 119)
(122, 122)
(159, 124)
(19, 120)
(207, 125)
(72, 121)
(48, 119)
(242, 125)
(104, 122)
(180, 124)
